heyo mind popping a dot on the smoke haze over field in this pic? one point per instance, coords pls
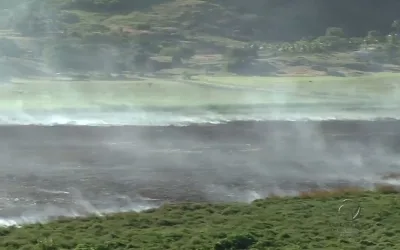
(73, 171)
(105, 108)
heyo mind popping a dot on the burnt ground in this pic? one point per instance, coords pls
(66, 170)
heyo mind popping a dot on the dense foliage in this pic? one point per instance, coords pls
(276, 19)
(285, 19)
(110, 5)
(104, 35)
(311, 221)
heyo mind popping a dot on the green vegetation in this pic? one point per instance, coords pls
(199, 91)
(201, 53)
(311, 221)
(199, 37)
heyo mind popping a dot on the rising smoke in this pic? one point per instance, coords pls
(136, 159)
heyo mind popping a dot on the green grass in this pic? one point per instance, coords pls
(380, 85)
(311, 221)
(52, 94)
(379, 80)
(86, 94)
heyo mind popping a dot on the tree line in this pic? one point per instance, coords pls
(282, 20)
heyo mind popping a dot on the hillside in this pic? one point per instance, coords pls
(197, 36)
(272, 20)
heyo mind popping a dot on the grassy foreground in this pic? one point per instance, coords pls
(199, 92)
(310, 221)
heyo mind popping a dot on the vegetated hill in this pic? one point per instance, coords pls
(134, 35)
(269, 20)
(251, 19)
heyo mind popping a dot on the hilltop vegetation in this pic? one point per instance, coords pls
(273, 20)
(201, 36)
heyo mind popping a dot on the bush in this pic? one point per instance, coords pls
(187, 52)
(234, 242)
(85, 247)
(154, 65)
(240, 53)
(140, 59)
(169, 51)
(183, 52)
(334, 43)
(147, 42)
(110, 5)
(334, 31)
(236, 65)
(143, 26)
(93, 28)
(103, 38)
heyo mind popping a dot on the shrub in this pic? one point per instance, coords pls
(334, 31)
(387, 189)
(240, 53)
(239, 242)
(143, 26)
(182, 52)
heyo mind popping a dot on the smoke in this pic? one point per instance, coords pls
(131, 159)
(177, 156)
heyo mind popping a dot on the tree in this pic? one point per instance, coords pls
(241, 53)
(140, 59)
(391, 39)
(187, 53)
(176, 60)
(396, 26)
(373, 36)
(391, 51)
(334, 31)
(239, 58)
(374, 33)
(239, 241)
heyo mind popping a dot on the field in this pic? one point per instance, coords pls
(318, 76)
(201, 91)
(311, 221)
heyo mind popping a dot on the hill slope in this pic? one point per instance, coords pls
(259, 19)
(254, 19)
(116, 36)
